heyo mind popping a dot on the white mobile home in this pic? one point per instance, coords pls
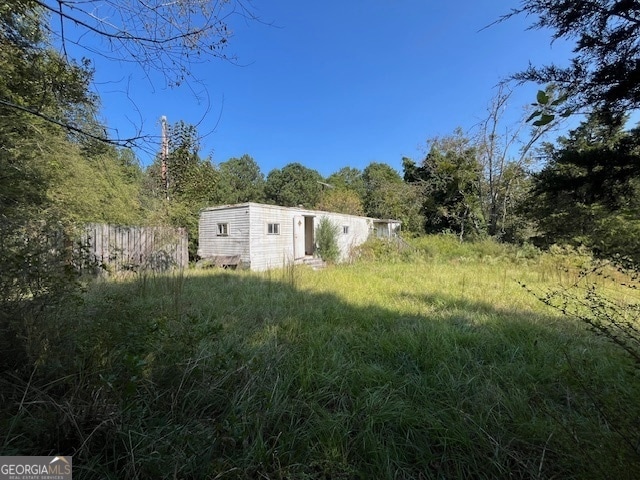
(260, 237)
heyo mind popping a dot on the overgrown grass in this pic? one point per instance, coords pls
(442, 366)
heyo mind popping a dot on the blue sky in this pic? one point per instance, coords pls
(334, 84)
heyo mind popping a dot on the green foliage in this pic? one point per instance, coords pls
(348, 178)
(548, 107)
(35, 77)
(587, 193)
(387, 196)
(388, 250)
(379, 179)
(128, 163)
(505, 220)
(98, 189)
(45, 168)
(37, 278)
(240, 181)
(449, 247)
(449, 179)
(403, 203)
(43, 179)
(327, 240)
(25, 178)
(340, 200)
(346, 194)
(21, 23)
(191, 179)
(616, 233)
(293, 185)
(602, 74)
(191, 184)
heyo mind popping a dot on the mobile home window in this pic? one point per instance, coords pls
(273, 228)
(223, 229)
(345, 229)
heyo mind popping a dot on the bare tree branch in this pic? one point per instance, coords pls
(158, 36)
(119, 142)
(501, 159)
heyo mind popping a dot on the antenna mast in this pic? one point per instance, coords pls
(164, 155)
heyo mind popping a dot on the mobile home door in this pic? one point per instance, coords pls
(298, 237)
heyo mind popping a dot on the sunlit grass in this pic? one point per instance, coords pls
(434, 365)
(447, 366)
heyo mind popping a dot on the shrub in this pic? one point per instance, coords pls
(388, 250)
(447, 247)
(327, 240)
(38, 274)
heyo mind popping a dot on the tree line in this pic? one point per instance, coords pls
(58, 168)
(581, 189)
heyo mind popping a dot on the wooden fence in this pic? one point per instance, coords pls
(135, 248)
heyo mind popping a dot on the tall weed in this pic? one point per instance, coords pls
(405, 369)
(604, 297)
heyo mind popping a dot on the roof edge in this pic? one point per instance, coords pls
(296, 209)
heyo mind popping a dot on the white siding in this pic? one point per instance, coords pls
(271, 251)
(359, 229)
(249, 237)
(236, 243)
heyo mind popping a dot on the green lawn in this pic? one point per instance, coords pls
(436, 366)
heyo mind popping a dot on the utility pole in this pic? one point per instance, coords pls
(164, 155)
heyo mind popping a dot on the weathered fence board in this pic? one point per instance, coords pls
(133, 248)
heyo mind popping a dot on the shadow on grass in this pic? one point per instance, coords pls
(229, 375)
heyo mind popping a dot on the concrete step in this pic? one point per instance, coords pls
(313, 262)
